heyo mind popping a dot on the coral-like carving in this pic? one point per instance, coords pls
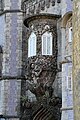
(40, 70)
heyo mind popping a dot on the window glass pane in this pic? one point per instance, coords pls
(29, 47)
(32, 45)
(44, 45)
(47, 44)
(69, 78)
(70, 34)
(69, 83)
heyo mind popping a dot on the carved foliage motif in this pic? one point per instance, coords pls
(40, 70)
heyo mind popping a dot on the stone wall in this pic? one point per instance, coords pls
(1, 58)
(76, 59)
(66, 6)
(67, 94)
(40, 70)
(12, 58)
(16, 49)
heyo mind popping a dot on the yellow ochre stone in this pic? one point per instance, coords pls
(76, 59)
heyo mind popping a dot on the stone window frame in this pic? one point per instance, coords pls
(46, 35)
(32, 42)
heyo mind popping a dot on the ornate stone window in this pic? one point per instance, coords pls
(47, 43)
(32, 45)
(70, 34)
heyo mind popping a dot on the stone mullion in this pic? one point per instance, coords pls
(39, 45)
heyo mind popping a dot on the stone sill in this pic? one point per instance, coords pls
(67, 108)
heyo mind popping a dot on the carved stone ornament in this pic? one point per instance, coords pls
(40, 70)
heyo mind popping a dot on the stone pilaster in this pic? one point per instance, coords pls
(12, 57)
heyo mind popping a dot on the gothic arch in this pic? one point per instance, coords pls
(66, 18)
(47, 39)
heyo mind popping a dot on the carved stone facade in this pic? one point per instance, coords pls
(40, 70)
(67, 40)
(31, 87)
(45, 63)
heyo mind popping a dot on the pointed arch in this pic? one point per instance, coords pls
(47, 43)
(32, 45)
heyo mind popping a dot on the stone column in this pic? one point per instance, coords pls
(64, 82)
(76, 58)
(12, 57)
